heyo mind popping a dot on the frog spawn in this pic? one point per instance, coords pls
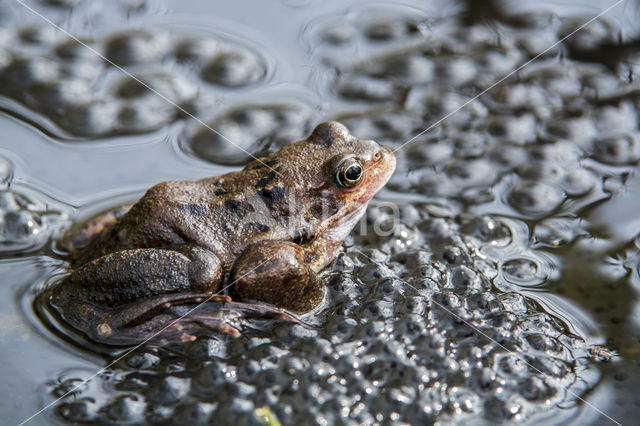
(548, 123)
(87, 97)
(254, 129)
(406, 317)
(429, 324)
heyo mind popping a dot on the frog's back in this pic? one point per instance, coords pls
(222, 218)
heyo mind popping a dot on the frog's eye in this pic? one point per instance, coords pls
(349, 173)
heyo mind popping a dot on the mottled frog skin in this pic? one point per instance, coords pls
(257, 235)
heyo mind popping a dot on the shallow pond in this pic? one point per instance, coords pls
(495, 278)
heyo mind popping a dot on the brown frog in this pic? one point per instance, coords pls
(257, 235)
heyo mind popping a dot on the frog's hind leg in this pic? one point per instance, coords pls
(152, 307)
(173, 317)
(132, 275)
(209, 310)
(134, 323)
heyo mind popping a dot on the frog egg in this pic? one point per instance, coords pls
(338, 34)
(367, 88)
(82, 410)
(38, 35)
(581, 130)
(196, 49)
(9, 201)
(489, 230)
(519, 130)
(437, 185)
(615, 120)
(234, 69)
(144, 115)
(137, 47)
(544, 343)
(390, 29)
(535, 198)
(71, 50)
(169, 390)
(424, 155)
(543, 171)
(22, 73)
(467, 281)
(251, 127)
(407, 69)
(126, 409)
(471, 172)
(171, 86)
(579, 182)
(92, 118)
(457, 71)
(63, 3)
(563, 152)
(194, 413)
(523, 271)
(536, 389)
(618, 150)
(55, 97)
(19, 225)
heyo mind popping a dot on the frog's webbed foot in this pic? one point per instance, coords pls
(224, 318)
(146, 310)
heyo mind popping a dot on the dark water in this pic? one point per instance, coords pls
(518, 214)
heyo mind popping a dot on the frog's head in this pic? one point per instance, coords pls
(336, 174)
(321, 185)
(349, 169)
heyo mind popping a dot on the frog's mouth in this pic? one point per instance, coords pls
(339, 230)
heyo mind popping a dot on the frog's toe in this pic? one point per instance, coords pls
(218, 325)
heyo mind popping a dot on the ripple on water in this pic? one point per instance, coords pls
(524, 271)
(26, 222)
(535, 199)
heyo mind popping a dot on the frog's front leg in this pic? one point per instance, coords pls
(130, 275)
(275, 272)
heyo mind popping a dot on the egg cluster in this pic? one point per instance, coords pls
(544, 141)
(412, 331)
(254, 130)
(120, 83)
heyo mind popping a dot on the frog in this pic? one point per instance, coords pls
(249, 243)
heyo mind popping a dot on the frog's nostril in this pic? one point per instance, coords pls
(377, 156)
